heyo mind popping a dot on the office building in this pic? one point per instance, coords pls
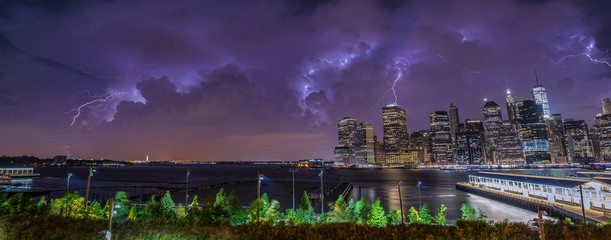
(441, 137)
(534, 134)
(602, 132)
(540, 97)
(396, 138)
(578, 144)
(606, 106)
(492, 125)
(557, 138)
(508, 148)
(364, 147)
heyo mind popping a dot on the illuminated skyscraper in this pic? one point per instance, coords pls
(534, 134)
(492, 125)
(441, 137)
(557, 138)
(469, 142)
(365, 149)
(396, 138)
(541, 97)
(345, 152)
(602, 132)
(419, 147)
(512, 109)
(606, 106)
(453, 127)
(578, 144)
(508, 148)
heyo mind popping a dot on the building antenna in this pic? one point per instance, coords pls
(536, 77)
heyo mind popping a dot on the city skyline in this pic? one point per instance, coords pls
(268, 80)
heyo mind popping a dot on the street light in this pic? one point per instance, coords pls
(419, 195)
(293, 170)
(259, 179)
(110, 213)
(400, 201)
(187, 189)
(91, 171)
(68, 182)
(322, 195)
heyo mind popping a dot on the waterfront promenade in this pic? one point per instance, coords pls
(554, 208)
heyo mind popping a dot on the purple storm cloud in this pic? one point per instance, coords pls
(268, 80)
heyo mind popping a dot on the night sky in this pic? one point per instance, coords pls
(268, 80)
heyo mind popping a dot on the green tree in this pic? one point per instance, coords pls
(257, 208)
(305, 211)
(153, 209)
(181, 211)
(377, 217)
(94, 210)
(43, 208)
(468, 212)
(273, 212)
(440, 217)
(122, 206)
(71, 205)
(238, 215)
(394, 217)
(425, 215)
(413, 215)
(221, 199)
(132, 214)
(351, 211)
(339, 213)
(167, 205)
(481, 215)
(362, 210)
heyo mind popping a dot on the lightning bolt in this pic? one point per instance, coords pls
(392, 89)
(105, 99)
(588, 53)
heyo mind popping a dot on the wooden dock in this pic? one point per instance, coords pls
(554, 209)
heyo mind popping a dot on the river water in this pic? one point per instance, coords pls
(438, 186)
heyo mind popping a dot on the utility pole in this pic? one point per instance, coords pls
(68, 182)
(87, 191)
(400, 202)
(187, 189)
(110, 213)
(583, 209)
(541, 226)
(293, 170)
(259, 176)
(419, 195)
(322, 193)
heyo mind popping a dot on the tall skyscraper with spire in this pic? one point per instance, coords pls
(541, 97)
(512, 110)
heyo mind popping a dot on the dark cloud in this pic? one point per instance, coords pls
(233, 80)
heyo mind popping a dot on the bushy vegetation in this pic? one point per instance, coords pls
(225, 217)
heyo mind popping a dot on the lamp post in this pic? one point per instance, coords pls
(400, 202)
(259, 178)
(187, 189)
(91, 171)
(583, 209)
(110, 213)
(322, 193)
(68, 182)
(293, 170)
(419, 195)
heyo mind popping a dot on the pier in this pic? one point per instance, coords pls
(561, 197)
